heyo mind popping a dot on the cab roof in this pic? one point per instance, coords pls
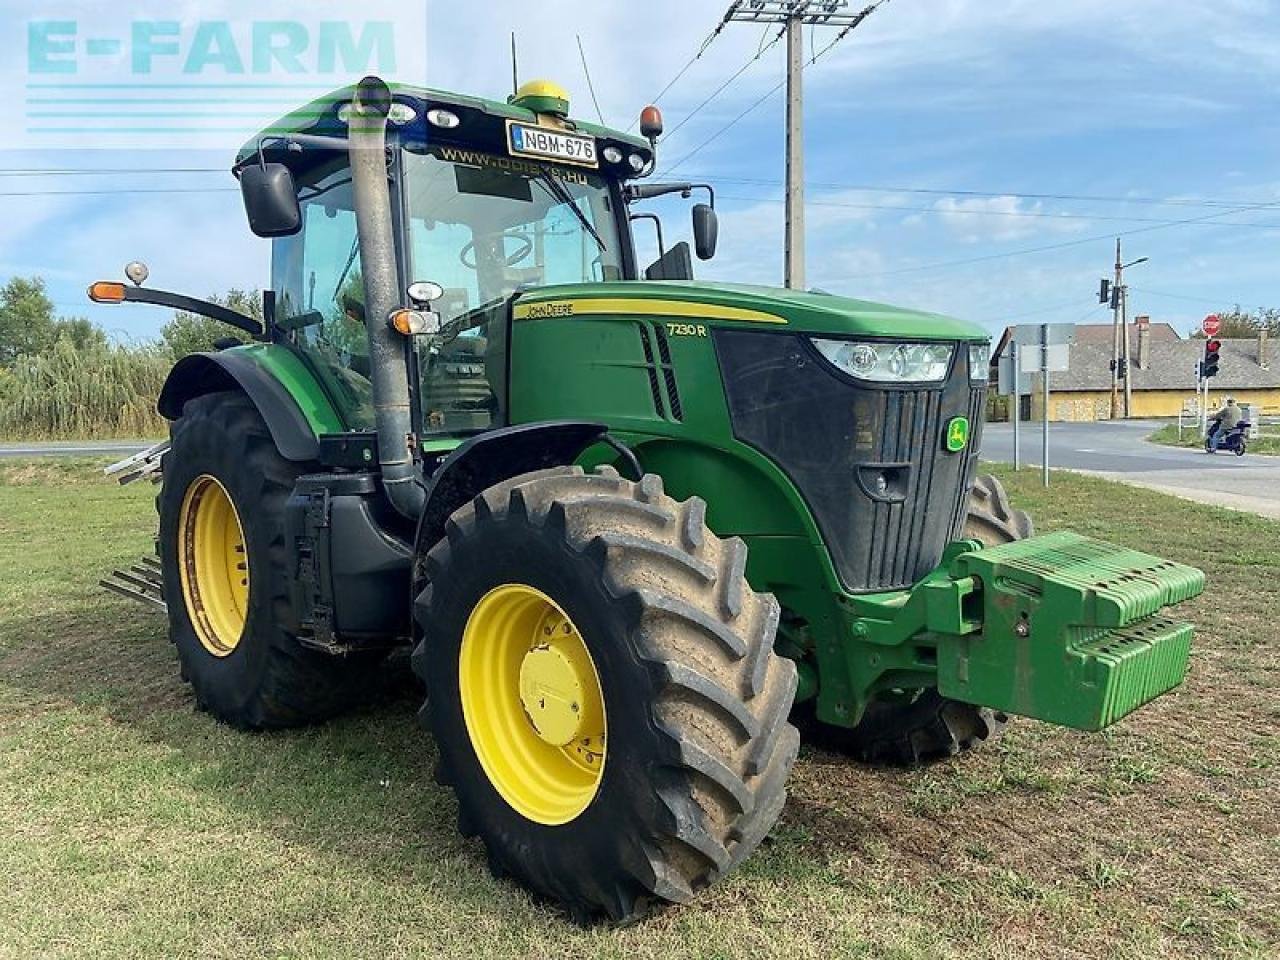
(320, 117)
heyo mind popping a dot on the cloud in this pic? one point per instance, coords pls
(1000, 219)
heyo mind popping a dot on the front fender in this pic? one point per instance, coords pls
(496, 456)
(284, 391)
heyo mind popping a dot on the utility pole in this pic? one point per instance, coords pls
(793, 244)
(1128, 366)
(794, 15)
(1120, 337)
(1116, 332)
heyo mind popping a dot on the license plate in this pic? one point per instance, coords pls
(526, 140)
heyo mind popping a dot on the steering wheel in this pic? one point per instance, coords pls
(522, 251)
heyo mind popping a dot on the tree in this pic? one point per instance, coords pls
(191, 333)
(28, 325)
(84, 334)
(26, 318)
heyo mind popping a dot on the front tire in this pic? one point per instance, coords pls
(683, 757)
(924, 727)
(226, 577)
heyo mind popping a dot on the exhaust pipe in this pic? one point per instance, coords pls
(389, 373)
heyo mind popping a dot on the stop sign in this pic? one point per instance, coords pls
(1211, 325)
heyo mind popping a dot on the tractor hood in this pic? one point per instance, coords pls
(734, 303)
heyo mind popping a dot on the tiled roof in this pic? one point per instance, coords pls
(1102, 333)
(1171, 366)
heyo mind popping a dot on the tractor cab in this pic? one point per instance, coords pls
(487, 200)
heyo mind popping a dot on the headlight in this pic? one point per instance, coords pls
(978, 359)
(889, 362)
(612, 154)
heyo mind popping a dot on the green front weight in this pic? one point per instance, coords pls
(1072, 631)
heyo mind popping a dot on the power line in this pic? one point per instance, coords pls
(1048, 247)
(115, 191)
(724, 86)
(754, 106)
(1215, 301)
(683, 70)
(1030, 214)
(990, 194)
(102, 171)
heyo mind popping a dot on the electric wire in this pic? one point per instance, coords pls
(683, 70)
(760, 52)
(945, 264)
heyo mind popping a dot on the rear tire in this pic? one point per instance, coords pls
(931, 727)
(257, 676)
(698, 745)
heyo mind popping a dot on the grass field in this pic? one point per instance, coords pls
(1191, 437)
(131, 826)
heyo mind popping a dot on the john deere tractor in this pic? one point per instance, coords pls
(624, 520)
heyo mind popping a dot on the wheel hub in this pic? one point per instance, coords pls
(213, 565)
(551, 692)
(532, 703)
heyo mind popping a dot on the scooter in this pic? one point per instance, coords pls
(1232, 440)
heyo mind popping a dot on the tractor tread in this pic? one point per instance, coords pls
(719, 697)
(289, 685)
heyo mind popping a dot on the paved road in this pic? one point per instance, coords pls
(74, 448)
(1118, 450)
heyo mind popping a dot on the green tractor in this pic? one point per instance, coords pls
(624, 521)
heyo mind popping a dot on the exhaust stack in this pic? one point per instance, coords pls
(382, 294)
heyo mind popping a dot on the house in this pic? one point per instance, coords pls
(1163, 374)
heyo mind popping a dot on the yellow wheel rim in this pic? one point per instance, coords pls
(532, 704)
(213, 564)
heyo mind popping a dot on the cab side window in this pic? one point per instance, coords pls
(320, 296)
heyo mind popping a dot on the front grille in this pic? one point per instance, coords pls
(868, 459)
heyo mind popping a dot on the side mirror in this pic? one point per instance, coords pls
(270, 200)
(706, 229)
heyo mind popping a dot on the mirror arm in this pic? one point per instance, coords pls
(647, 191)
(214, 311)
(657, 225)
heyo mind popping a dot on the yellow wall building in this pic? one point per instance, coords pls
(1096, 404)
(1163, 375)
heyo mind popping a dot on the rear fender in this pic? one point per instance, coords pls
(295, 422)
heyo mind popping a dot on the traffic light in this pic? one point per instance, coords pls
(1104, 290)
(1124, 369)
(1209, 366)
(1115, 298)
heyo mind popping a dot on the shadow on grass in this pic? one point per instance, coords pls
(359, 785)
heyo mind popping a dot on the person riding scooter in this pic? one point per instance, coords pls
(1224, 420)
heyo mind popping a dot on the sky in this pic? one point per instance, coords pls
(975, 158)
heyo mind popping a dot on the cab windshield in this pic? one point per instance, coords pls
(484, 226)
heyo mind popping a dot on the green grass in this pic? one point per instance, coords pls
(133, 826)
(1168, 435)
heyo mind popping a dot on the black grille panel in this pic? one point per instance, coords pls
(652, 368)
(870, 461)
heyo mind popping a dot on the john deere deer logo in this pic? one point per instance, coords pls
(957, 434)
